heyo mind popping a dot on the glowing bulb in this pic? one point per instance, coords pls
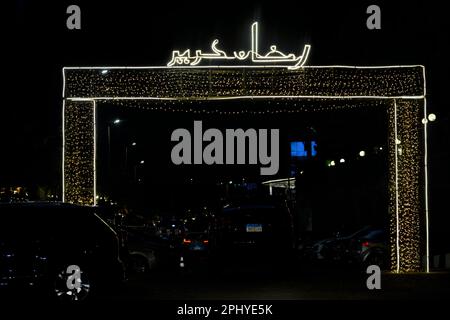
(362, 153)
(117, 121)
(332, 163)
(431, 117)
(142, 161)
(133, 144)
(105, 71)
(342, 160)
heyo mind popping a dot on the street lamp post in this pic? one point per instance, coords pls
(135, 170)
(127, 148)
(114, 122)
(109, 149)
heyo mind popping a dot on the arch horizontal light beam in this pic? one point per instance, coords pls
(248, 97)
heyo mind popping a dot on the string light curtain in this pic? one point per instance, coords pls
(406, 181)
(79, 153)
(207, 83)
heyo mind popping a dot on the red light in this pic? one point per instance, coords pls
(205, 241)
(186, 241)
(365, 244)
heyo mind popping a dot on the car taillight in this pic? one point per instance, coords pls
(365, 244)
(205, 241)
(186, 241)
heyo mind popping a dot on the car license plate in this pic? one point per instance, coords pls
(253, 227)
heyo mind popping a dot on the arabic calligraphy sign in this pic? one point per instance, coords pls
(242, 58)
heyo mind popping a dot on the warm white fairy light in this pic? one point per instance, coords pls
(405, 172)
(335, 83)
(79, 151)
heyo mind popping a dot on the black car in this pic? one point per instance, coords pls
(372, 249)
(67, 251)
(359, 248)
(340, 248)
(261, 232)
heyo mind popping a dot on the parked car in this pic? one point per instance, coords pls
(254, 231)
(65, 251)
(319, 250)
(361, 247)
(196, 242)
(114, 217)
(195, 251)
(147, 251)
(371, 249)
(341, 247)
(150, 250)
(145, 248)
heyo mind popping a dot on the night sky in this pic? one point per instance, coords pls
(140, 33)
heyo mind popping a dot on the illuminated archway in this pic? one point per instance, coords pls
(400, 89)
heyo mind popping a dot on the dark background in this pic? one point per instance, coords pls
(134, 33)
